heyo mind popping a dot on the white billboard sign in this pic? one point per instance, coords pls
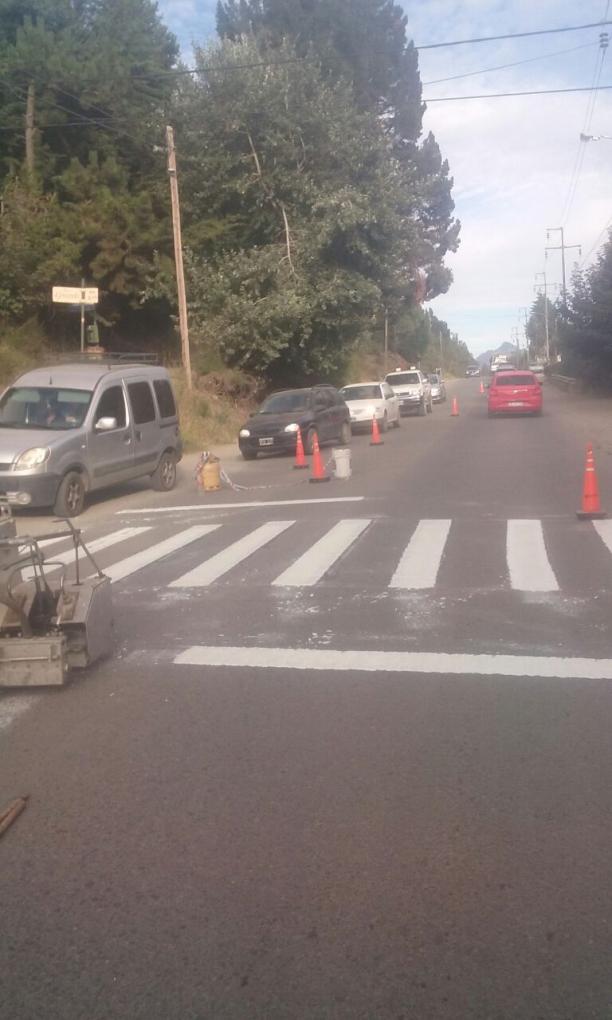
(75, 295)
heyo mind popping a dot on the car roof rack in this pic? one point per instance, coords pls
(107, 358)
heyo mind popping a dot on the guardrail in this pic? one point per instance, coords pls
(565, 382)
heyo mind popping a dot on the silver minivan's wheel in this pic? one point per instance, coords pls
(163, 478)
(345, 433)
(70, 498)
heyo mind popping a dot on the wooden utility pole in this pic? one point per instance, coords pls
(563, 247)
(178, 256)
(386, 362)
(29, 129)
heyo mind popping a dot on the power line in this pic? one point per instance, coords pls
(504, 95)
(590, 110)
(504, 67)
(598, 242)
(513, 35)
(181, 72)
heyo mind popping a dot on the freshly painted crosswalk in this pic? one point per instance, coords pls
(129, 565)
(528, 562)
(421, 559)
(57, 560)
(418, 556)
(214, 568)
(320, 558)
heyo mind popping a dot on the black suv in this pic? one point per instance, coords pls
(316, 410)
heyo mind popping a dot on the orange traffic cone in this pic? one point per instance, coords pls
(318, 472)
(300, 459)
(375, 440)
(481, 386)
(591, 508)
(455, 408)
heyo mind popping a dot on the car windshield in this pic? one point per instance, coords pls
(403, 379)
(282, 403)
(360, 393)
(514, 380)
(43, 407)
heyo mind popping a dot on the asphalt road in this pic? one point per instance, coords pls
(351, 759)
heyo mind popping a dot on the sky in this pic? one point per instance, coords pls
(518, 165)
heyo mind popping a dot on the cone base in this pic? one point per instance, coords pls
(300, 467)
(591, 515)
(326, 479)
(377, 442)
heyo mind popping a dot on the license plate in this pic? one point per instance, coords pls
(266, 442)
(516, 403)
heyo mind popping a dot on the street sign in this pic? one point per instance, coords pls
(75, 295)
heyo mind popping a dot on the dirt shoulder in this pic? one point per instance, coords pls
(589, 415)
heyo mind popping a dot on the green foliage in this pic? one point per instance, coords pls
(364, 43)
(586, 327)
(309, 191)
(309, 199)
(93, 206)
(541, 310)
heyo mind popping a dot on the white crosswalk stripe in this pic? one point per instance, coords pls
(321, 556)
(117, 571)
(528, 563)
(98, 545)
(229, 558)
(417, 568)
(604, 530)
(420, 562)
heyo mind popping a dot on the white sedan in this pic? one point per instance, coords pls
(371, 399)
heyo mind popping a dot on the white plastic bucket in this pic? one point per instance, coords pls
(342, 462)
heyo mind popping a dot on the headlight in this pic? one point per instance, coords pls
(32, 458)
(244, 433)
(292, 428)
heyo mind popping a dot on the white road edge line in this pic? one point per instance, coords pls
(123, 568)
(242, 506)
(214, 567)
(418, 568)
(528, 564)
(459, 664)
(321, 556)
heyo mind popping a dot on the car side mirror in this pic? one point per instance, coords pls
(105, 424)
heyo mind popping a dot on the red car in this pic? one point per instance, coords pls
(515, 391)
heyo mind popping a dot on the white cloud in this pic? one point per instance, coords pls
(512, 159)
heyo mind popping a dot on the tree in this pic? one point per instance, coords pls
(92, 203)
(542, 312)
(364, 42)
(292, 201)
(586, 331)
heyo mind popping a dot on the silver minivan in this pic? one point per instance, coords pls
(75, 428)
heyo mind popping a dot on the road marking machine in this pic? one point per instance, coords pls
(49, 624)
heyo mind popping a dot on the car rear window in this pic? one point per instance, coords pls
(403, 379)
(361, 392)
(515, 380)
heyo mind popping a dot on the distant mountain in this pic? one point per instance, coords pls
(505, 348)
